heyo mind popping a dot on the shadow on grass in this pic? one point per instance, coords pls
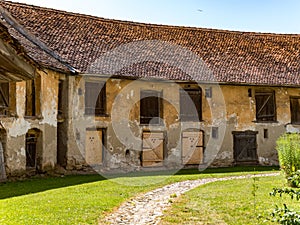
(35, 185)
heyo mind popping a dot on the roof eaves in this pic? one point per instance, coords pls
(23, 31)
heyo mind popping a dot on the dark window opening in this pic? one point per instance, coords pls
(208, 92)
(4, 98)
(30, 109)
(265, 106)
(266, 133)
(150, 107)
(249, 92)
(295, 110)
(95, 98)
(214, 132)
(191, 105)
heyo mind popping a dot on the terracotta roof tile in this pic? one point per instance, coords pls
(8, 72)
(98, 45)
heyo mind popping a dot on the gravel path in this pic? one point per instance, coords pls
(147, 208)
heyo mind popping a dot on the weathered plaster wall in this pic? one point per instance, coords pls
(17, 125)
(230, 108)
(122, 123)
(241, 116)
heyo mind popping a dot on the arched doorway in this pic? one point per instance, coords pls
(33, 149)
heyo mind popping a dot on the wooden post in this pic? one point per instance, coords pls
(2, 164)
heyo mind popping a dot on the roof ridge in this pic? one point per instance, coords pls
(215, 30)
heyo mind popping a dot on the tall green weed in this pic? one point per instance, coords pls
(288, 148)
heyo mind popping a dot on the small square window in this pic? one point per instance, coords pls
(208, 92)
(249, 92)
(214, 132)
(266, 133)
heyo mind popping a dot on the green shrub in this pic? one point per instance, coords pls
(285, 216)
(288, 148)
(294, 179)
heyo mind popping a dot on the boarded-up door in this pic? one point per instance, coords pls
(245, 147)
(192, 147)
(153, 149)
(94, 146)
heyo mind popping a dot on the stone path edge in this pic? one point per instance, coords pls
(148, 208)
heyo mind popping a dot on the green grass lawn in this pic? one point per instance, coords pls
(85, 199)
(228, 202)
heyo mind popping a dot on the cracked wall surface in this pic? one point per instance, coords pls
(230, 109)
(17, 125)
(65, 138)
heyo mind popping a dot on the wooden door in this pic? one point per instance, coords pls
(153, 149)
(245, 147)
(94, 146)
(192, 147)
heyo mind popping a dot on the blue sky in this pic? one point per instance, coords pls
(276, 16)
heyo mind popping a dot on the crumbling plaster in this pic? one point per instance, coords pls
(17, 126)
(229, 108)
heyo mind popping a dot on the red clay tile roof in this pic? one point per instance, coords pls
(8, 72)
(97, 45)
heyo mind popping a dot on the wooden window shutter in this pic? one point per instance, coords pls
(100, 108)
(265, 106)
(150, 107)
(4, 98)
(30, 98)
(191, 105)
(95, 98)
(295, 110)
(4, 95)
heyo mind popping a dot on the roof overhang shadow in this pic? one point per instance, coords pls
(15, 64)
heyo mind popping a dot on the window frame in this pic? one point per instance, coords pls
(185, 116)
(144, 118)
(98, 102)
(269, 95)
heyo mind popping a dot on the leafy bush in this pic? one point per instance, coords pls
(284, 215)
(288, 148)
(288, 191)
(294, 179)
